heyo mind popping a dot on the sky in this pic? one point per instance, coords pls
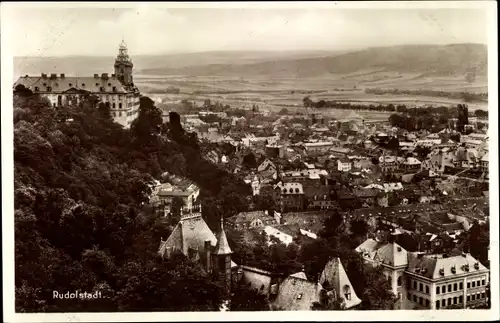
(149, 29)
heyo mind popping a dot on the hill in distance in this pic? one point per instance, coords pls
(88, 65)
(428, 60)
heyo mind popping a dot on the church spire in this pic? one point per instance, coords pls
(222, 246)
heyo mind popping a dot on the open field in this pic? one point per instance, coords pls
(277, 93)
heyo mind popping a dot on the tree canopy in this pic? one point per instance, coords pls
(81, 186)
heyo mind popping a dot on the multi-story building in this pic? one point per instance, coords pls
(429, 281)
(289, 196)
(117, 90)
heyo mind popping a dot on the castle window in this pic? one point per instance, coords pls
(119, 105)
(449, 301)
(437, 290)
(455, 287)
(461, 285)
(483, 282)
(426, 289)
(438, 304)
(347, 292)
(119, 113)
(114, 106)
(460, 299)
(443, 302)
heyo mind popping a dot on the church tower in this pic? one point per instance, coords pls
(123, 66)
(221, 260)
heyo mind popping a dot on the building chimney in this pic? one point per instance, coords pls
(113, 75)
(62, 75)
(44, 76)
(208, 255)
(53, 76)
(104, 76)
(96, 76)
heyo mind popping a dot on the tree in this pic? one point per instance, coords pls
(377, 293)
(359, 228)
(148, 123)
(307, 102)
(328, 303)
(249, 160)
(245, 299)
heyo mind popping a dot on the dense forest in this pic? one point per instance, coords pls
(81, 183)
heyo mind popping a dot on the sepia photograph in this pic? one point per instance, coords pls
(249, 161)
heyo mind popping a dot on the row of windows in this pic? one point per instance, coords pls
(119, 113)
(451, 288)
(420, 287)
(418, 299)
(449, 301)
(477, 283)
(475, 297)
(459, 300)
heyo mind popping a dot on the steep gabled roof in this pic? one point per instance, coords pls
(222, 246)
(190, 233)
(335, 278)
(296, 294)
(392, 254)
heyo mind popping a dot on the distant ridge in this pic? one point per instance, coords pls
(439, 60)
(429, 60)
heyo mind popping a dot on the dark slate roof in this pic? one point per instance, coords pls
(436, 266)
(334, 277)
(60, 85)
(296, 294)
(190, 233)
(222, 246)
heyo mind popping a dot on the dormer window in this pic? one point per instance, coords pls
(347, 292)
(49, 89)
(70, 84)
(102, 89)
(36, 89)
(44, 84)
(83, 84)
(114, 88)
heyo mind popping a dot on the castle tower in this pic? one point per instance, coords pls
(221, 259)
(123, 66)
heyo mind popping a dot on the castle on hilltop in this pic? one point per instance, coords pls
(117, 90)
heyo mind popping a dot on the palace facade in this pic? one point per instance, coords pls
(117, 90)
